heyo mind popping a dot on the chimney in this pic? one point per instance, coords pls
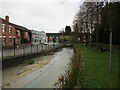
(7, 18)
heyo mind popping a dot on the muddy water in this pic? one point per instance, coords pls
(46, 76)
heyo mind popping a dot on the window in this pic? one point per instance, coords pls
(10, 40)
(18, 33)
(3, 28)
(10, 29)
(35, 41)
(26, 34)
(19, 41)
(4, 41)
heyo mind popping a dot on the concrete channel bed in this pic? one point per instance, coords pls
(42, 74)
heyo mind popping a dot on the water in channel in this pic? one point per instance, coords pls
(46, 76)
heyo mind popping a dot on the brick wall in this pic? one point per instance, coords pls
(9, 36)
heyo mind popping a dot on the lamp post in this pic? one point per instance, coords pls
(110, 56)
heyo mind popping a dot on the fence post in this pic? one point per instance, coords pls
(42, 47)
(31, 48)
(2, 52)
(14, 50)
(48, 47)
(23, 50)
(53, 46)
(37, 48)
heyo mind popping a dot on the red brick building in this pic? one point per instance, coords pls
(13, 35)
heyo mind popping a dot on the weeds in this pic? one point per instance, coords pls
(30, 61)
(74, 76)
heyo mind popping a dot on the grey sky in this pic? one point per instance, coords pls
(46, 16)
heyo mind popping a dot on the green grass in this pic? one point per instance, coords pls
(29, 61)
(96, 70)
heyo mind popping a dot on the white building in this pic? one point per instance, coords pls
(43, 38)
(38, 37)
(35, 37)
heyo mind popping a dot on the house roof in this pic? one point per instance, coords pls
(15, 25)
(53, 33)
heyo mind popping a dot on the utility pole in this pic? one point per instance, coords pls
(110, 56)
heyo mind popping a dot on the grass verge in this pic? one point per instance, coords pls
(96, 70)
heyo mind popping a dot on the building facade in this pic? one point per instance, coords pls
(35, 37)
(7, 31)
(13, 35)
(43, 37)
(23, 36)
(38, 37)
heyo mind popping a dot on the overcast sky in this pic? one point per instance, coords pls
(45, 16)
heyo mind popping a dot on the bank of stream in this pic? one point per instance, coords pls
(41, 74)
(74, 75)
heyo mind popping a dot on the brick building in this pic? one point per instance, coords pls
(13, 35)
